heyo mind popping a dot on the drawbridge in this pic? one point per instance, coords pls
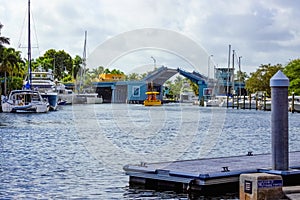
(162, 74)
(134, 91)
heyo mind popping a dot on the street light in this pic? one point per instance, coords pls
(154, 62)
(208, 65)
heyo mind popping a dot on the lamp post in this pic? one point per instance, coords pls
(154, 62)
(208, 65)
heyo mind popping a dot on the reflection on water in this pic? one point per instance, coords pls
(79, 151)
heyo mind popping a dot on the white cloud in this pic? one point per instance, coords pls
(260, 31)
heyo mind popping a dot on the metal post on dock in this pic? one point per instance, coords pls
(0, 98)
(256, 101)
(244, 102)
(265, 100)
(293, 102)
(279, 121)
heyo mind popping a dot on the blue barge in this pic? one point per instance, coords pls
(208, 176)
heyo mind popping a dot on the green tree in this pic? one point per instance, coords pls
(132, 77)
(176, 87)
(77, 62)
(241, 76)
(59, 61)
(3, 40)
(107, 71)
(94, 73)
(292, 71)
(116, 71)
(45, 62)
(194, 86)
(260, 80)
(10, 62)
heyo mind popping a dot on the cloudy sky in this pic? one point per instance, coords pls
(261, 32)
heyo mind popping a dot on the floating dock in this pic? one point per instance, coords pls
(208, 176)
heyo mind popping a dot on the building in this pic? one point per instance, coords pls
(226, 83)
(111, 77)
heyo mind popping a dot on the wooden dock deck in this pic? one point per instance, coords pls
(204, 175)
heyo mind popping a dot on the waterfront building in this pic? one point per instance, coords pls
(227, 83)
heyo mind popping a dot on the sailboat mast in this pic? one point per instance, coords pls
(82, 74)
(84, 54)
(29, 46)
(228, 75)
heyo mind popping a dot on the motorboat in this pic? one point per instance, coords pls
(247, 104)
(265, 105)
(65, 96)
(212, 103)
(69, 97)
(226, 103)
(25, 101)
(295, 104)
(151, 99)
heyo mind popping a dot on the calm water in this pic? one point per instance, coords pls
(79, 151)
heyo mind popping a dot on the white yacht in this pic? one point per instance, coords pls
(44, 83)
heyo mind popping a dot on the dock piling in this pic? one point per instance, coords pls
(293, 103)
(279, 121)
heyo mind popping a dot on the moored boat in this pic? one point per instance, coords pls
(44, 83)
(152, 100)
(294, 105)
(25, 101)
(212, 103)
(40, 81)
(247, 104)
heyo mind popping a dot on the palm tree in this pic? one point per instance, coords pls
(94, 73)
(9, 62)
(3, 40)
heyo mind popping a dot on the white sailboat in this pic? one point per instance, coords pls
(26, 100)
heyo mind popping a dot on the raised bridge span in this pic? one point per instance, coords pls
(162, 74)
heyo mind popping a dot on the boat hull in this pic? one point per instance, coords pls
(247, 104)
(52, 99)
(297, 107)
(152, 103)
